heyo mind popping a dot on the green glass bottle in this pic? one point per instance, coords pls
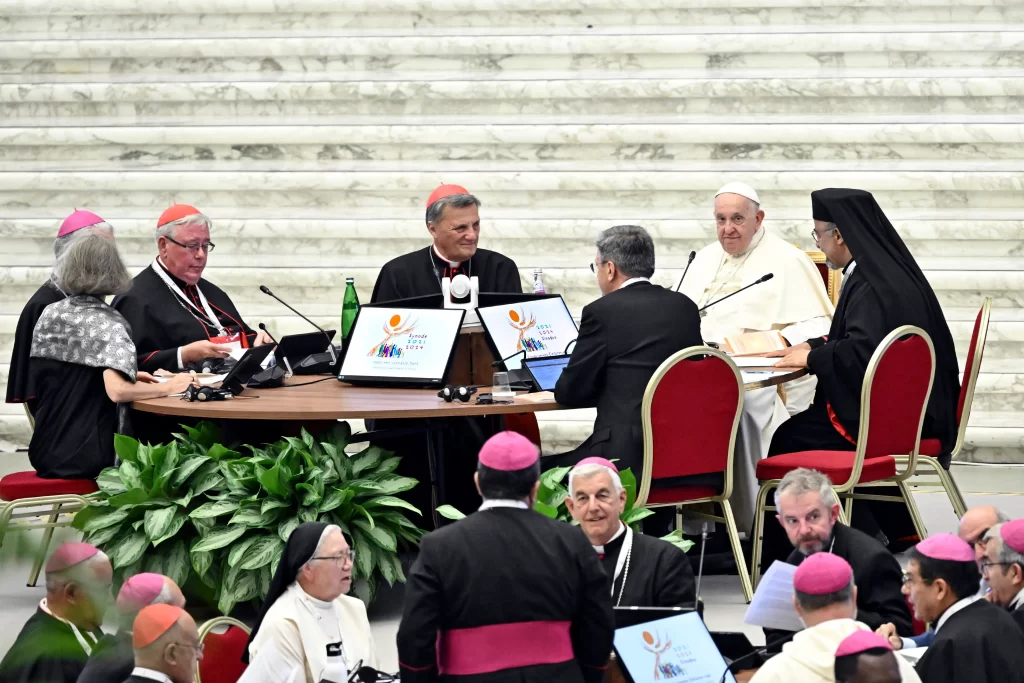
(349, 307)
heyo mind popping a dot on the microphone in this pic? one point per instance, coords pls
(330, 346)
(264, 328)
(753, 654)
(700, 566)
(686, 270)
(764, 278)
(497, 363)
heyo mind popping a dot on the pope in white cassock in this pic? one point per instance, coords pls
(794, 302)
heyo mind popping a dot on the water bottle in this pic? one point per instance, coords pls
(335, 671)
(538, 281)
(349, 307)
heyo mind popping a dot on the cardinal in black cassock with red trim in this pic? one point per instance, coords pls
(506, 595)
(20, 387)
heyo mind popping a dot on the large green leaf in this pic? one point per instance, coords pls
(132, 497)
(219, 452)
(381, 536)
(308, 514)
(628, 480)
(103, 536)
(186, 469)
(262, 552)
(210, 481)
(219, 538)
(201, 561)
(271, 480)
(110, 482)
(129, 549)
(266, 575)
(159, 521)
(554, 477)
(335, 499)
(127, 448)
(153, 562)
(112, 518)
(449, 512)
(546, 510)
(180, 517)
(214, 509)
(364, 554)
(392, 484)
(396, 563)
(387, 466)
(387, 569)
(390, 501)
(131, 474)
(239, 550)
(176, 566)
(367, 459)
(286, 527)
(273, 503)
(635, 515)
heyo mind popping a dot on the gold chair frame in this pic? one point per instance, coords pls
(62, 504)
(845, 490)
(835, 277)
(211, 624)
(722, 499)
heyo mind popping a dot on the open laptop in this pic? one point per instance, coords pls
(401, 347)
(677, 647)
(544, 372)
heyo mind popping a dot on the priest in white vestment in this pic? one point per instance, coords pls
(793, 302)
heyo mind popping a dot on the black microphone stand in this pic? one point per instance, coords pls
(330, 346)
(686, 270)
(763, 278)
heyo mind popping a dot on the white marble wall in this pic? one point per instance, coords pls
(311, 131)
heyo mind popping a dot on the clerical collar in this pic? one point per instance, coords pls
(177, 280)
(1017, 601)
(633, 281)
(599, 549)
(953, 609)
(316, 602)
(849, 268)
(151, 674)
(758, 236)
(504, 503)
(451, 264)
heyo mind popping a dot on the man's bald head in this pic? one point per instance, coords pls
(78, 578)
(975, 523)
(175, 650)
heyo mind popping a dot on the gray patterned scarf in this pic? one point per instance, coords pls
(85, 331)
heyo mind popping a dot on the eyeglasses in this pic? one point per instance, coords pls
(816, 237)
(985, 564)
(593, 266)
(198, 647)
(980, 542)
(194, 246)
(349, 555)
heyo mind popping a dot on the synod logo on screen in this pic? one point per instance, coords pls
(391, 346)
(661, 647)
(517, 320)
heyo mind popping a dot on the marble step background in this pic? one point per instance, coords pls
(310, 132)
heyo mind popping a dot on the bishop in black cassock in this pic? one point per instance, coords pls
(506, 595)
(20, 387)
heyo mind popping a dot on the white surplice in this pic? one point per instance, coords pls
(794, 302)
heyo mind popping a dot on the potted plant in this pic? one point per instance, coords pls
(194, 509)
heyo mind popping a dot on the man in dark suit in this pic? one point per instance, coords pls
(1003, 567)
(624, 336)
(808, 512)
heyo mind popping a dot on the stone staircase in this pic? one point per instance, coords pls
(311, 132)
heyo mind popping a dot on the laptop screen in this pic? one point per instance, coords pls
(401, 345)
(540, 327)
(678, 648)
(546, 371)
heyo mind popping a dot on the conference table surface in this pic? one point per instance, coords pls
(305, 398)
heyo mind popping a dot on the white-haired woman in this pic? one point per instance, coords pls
(82, 364)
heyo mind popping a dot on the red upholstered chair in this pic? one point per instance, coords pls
(831, 278)
(26, 490)
(691, 413)
(927, 460)
(222, 653)
(893, 400)
(524, 424)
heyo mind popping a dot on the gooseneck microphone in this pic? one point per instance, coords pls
(330, 346)
(764, 278)
(686, 270)
(497, 363)
(264, 328)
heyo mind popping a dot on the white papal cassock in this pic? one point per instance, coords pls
(794, 302)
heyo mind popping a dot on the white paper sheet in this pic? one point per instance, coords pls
(754, 361)
(772, 606)
(912, 654)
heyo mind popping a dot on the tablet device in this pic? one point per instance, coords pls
(248, 365)
(545, 371)
(678, 647)
(293, 348)
(535, 328)
(408, 347)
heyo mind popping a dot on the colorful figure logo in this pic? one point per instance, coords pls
(657, 648)
(392, 328)
(518, 322)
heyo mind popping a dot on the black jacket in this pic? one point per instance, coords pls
(113, 659)
(977, 644)
(624, 337)
(878, 577)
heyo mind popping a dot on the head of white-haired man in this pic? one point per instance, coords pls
(596, 499)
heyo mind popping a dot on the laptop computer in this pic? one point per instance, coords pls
(545, 371)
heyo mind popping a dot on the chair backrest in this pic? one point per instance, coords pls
(690, 415)
(831, 278)
(222, 657)
(972, 367)
(524, 424)
(894, 397)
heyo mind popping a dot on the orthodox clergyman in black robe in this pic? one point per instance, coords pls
(506, 595)
(883, 289)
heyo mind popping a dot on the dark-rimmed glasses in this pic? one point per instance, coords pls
(193, 246)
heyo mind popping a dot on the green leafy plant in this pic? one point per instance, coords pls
(193, 508)
(551, 503)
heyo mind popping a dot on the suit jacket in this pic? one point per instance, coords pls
(878, 576)
(1018, 616)
(113, 659)
(624, 337)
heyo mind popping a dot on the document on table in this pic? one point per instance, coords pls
(754, 361)
(772, 606)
